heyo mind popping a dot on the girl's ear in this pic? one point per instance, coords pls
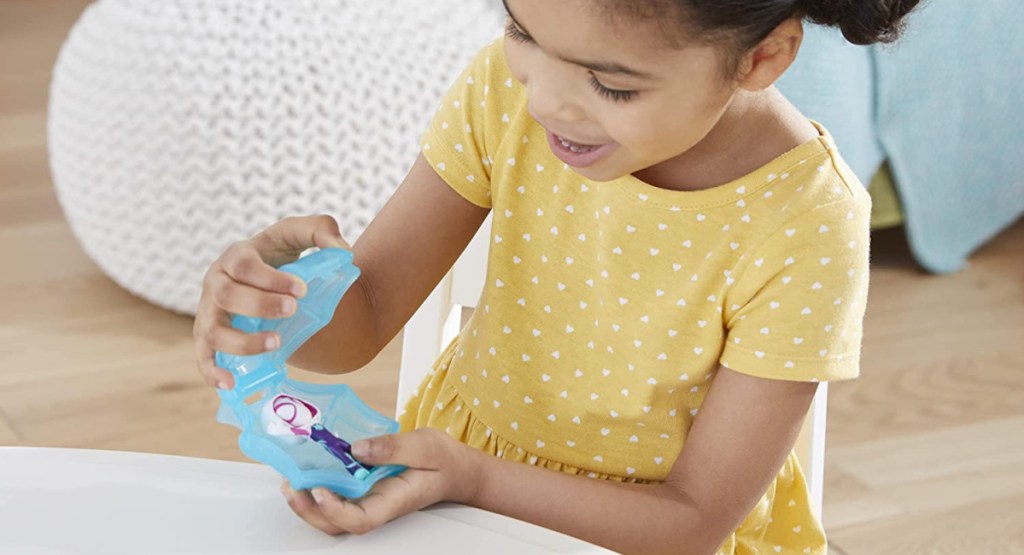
(763, 64)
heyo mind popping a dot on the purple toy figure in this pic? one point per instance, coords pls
(286, 416)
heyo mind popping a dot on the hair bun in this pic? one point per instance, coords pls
(861, 21)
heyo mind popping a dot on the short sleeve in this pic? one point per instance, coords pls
(466, 130)
(796, 310)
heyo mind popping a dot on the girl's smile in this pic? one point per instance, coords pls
(578, 155)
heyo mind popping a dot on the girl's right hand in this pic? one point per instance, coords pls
(244, 280)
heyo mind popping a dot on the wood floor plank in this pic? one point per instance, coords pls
(27, 205)
(840, 485)
(22, 172)
(867, 508)
(940, 471)
(127, 396)
(32, 31)
(952, 492)
(23, 131)
(26, 91)
(68, 300)
(945, 453)
(8, 436)
(848, 501)
(89, 344)
(921, 396)
(46, 252)
(992, 527)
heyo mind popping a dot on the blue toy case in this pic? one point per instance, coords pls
(328, 274)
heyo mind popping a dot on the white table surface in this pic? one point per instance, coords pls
(107, 502)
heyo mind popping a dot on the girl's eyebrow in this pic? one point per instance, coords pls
(606, 67)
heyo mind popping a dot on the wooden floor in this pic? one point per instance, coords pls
(925, 452)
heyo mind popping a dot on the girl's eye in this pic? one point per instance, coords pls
(513, 32)
(615, 95)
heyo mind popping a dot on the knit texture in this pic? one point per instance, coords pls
(178, 127)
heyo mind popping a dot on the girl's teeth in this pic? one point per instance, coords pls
(574, 148)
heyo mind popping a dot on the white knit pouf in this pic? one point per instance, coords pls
(177, 127)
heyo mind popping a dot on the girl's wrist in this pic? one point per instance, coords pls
(469, 476)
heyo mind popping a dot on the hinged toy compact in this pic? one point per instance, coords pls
(303, 430)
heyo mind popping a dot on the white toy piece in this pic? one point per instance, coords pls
(283, 415)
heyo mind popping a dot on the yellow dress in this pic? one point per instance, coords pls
(609, 305)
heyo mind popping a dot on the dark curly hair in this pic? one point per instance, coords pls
(742, 24)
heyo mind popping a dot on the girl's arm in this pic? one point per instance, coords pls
(403, 254)
(738, 443)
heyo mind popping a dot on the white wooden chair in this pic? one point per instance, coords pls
(439, 320)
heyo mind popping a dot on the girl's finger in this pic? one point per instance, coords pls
(303, 504)
(231, 340)
(353, 516)
(214, 375)
(422, 448)
(296, 234)
(395, 497)
(236, 297)
(243, 264)
(206, 317)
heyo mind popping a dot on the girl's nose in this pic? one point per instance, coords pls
(549, 101)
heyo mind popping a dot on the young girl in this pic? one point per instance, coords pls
(678, 256)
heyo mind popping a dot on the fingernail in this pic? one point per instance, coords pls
(272, 343)
(318, 494)
(222, 385)
(298, 289)
(361, 448)
(288, 306)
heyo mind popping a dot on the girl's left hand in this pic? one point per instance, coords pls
(439, 469)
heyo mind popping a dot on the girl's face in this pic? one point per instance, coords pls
(614, 99)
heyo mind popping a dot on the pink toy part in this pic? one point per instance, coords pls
(294, 420)
(291, 416)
